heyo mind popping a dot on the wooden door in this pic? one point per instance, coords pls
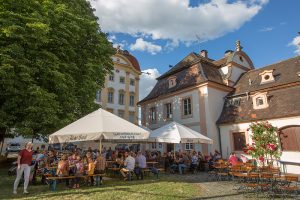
(290, 138)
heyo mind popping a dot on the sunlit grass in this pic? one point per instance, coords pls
(166, 187)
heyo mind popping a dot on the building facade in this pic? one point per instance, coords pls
(271, 93)
(192, 93)
(121, 89)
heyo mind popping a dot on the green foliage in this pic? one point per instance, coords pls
(265, 142)
(53, 59)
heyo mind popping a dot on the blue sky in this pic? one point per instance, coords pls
(160, 33)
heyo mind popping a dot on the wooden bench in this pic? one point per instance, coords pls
(54, 179)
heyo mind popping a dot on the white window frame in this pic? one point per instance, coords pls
(169, 111)
(189, 146)
(131, 100)
(111, 77)
(110, 98)
(122, 78)
(264, 97)
(187, 105)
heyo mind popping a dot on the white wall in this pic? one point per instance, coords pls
(176, 106)
(214, 102)
(287, 156)
(236, 59)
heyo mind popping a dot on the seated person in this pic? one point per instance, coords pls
(233, 159)
(90, 170)
(100, 165)
(141, 164)
(182, 162)
(119, 160)
(194, 162)
(63, 168)
(129, 164)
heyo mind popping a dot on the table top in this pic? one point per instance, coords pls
(152, 162)
(289, 162)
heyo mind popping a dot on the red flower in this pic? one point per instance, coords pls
(261, 158)
(272, 147)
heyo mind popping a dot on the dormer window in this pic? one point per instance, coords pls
(267, 76)
(172, 81)
(260, 101)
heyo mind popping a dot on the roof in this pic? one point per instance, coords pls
(192, 70)
(283, 101)
(131, 58)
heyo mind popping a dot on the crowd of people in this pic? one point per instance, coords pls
(79, 163)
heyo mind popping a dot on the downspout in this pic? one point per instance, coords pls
(220, 144)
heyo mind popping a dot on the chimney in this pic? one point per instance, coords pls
(203, 53)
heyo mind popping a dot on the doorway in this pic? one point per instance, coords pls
(170, 147)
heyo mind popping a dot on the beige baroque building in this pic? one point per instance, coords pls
(121, 90)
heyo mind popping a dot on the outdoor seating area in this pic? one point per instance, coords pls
(263, 181)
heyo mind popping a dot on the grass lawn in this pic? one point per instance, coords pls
(167, 187)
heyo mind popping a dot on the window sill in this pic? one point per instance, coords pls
(186, 116)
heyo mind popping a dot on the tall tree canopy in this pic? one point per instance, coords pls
(53, 58)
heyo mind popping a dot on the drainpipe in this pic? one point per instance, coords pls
(220, 144)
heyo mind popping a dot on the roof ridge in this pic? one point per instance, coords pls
(276, 63)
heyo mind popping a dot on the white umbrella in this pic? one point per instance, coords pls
(99, 125)
(177, 133)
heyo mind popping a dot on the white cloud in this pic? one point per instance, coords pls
(266, 29)
(175, 20)
(142, 45)
(296, 43)
(147, 81)
(111, 38)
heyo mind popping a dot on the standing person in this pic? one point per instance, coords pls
(141, 164)
(24, 162)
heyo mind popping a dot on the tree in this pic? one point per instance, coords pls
(265, 144)
(53, 59)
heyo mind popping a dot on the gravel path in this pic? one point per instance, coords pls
(214, 189)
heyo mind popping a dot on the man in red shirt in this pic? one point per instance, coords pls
(24, 162)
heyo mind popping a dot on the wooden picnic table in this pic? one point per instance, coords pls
(152, 162)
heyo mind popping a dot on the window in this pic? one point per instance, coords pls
(172, 82)
(239, 141)
(111, 77)
(110, 97)
(131, 100)
(187, 107)
(189, 146)
(267, 76)
(153, 115)
(121, 98)
(241, 59)
(168, 110)
(132, 82)
(121, 113)
(260, 101)
(98, 96)
(122, 79)
(131, 117)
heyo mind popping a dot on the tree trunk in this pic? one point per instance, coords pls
(2, 138)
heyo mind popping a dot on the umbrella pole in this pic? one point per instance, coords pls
(100, 148)
(174, 150)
